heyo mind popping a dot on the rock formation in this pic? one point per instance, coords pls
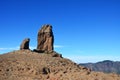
(25, 44)
(45, 39)
(29, 65)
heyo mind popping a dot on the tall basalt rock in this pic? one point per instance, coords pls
(25, 44)
(45, 39)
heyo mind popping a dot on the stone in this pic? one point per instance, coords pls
(45, 39)
(25, 44)
(58, 55)
(46, 70)
(55, 54)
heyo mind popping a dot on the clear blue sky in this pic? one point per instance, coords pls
(84, 30)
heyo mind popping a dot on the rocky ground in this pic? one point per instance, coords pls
(28, 65)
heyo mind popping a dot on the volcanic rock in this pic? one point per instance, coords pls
(45, 39)
(25, 44)
(57, 55)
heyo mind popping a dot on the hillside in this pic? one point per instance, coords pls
(106, 66)
(29, 65)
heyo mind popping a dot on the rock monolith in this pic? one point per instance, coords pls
(45, 39)
(25, 44)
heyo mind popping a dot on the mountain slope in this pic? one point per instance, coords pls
(28, 65)
(106, 66)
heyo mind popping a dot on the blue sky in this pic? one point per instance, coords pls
(84, 30)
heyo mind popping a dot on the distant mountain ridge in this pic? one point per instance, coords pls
(106, 66)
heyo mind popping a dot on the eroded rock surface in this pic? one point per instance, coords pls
(45, 39)
(25, 44)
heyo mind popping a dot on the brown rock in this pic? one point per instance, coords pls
(25, 44)
(45, 38)
(46, 70)
(57, 55)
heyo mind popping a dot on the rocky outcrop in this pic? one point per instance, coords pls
(55, 54)
(25, 44)
(45, 39)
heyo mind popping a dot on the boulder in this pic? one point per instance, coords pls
(45, 39)
(57, 55)
(25, 44)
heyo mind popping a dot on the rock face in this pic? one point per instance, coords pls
(45, 39)
(25, 44)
